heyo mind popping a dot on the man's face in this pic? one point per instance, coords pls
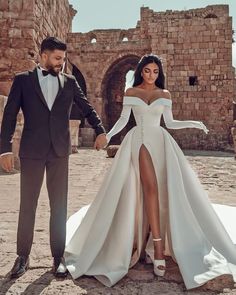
(53, 60)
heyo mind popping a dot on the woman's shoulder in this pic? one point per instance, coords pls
(130, 96)
(166, 94)
(132, 91)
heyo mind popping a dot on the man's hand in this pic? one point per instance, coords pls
(100, 142)
(7, 162)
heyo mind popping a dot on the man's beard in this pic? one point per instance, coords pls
(55, 69)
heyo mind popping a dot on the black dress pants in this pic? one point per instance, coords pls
(32, 174)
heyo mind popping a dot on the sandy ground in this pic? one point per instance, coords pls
(217, 172)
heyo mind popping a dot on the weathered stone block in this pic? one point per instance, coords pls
(15, 33)
(4, 5)
(15, 6)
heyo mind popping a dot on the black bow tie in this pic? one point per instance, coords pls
(51, 72)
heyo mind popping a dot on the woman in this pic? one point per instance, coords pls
(150, 198)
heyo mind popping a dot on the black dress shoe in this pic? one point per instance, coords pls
(20, 267)
(59, 267)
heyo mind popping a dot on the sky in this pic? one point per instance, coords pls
(124, 14)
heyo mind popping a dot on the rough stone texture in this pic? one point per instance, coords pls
(74, 133)
(88, 136)
(52, 18)
(233, 132)
(24, 23)
(3, 100)
(191, 43)
(195, 42)
(217, 172)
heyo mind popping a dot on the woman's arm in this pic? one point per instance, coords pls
(176, 124)
(120, 123)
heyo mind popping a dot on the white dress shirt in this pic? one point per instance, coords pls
(49, 86)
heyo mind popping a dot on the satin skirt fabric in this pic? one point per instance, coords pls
(107, 237)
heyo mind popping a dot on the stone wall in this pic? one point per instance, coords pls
(24, 23)
(3, 100)
(103, 65)
(16, 22)
(52, 18)
(197, 43)
(196, 48)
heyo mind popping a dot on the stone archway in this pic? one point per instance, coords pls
(112, 89)
(193, 71)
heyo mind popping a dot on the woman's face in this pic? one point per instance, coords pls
(150, 73)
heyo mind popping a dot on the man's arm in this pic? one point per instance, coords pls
(9, 124)
(91, 115)
(88, 111)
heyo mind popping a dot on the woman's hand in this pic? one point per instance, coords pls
(204, 128)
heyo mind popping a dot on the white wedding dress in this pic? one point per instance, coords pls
(106, 238)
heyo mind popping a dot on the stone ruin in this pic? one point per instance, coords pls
(24, 23)
(195, 46)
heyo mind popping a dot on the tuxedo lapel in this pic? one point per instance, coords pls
(61, 80)
(35, 80)
(61, 87)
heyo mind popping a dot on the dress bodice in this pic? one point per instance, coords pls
(147, 114)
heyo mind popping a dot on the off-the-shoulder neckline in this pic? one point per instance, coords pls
(167, 99)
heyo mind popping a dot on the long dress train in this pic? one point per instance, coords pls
(106, 238)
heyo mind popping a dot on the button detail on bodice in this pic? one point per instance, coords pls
(142, 127)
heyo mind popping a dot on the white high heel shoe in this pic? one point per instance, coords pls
(159, 262)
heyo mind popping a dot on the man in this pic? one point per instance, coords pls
(45, 96)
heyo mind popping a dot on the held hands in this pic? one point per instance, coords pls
(7, 162)
(100, 142)
(203, 127)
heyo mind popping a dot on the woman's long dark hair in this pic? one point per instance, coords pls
(147, 59)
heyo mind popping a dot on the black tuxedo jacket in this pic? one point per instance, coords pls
(43, 127)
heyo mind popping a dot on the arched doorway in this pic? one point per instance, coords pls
(113, 88)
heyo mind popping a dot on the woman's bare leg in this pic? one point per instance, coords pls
(151, 200)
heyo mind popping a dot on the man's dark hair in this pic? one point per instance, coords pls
(52, 43)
